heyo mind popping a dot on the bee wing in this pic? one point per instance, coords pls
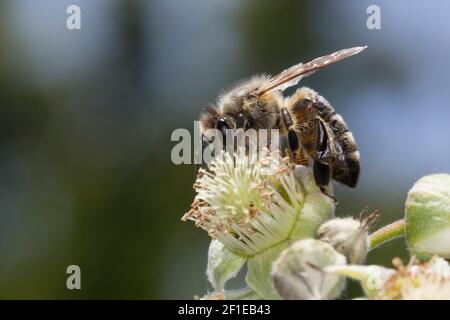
(294, 74)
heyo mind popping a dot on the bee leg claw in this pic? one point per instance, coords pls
(325, 192)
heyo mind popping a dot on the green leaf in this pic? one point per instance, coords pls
(259, 268)
(222, 264)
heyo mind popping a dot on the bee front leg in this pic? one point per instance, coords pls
(205, 143)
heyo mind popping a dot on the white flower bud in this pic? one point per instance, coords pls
(297, 273)
(428, 217)
(349, 236)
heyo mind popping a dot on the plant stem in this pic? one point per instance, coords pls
(387, 233)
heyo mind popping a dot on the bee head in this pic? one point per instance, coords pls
(243, 108)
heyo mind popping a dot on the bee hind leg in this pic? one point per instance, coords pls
(321, 167)
(322, 177)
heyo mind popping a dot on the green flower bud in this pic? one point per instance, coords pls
(428, 217)
(298, 272)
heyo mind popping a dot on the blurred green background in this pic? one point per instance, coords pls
(86, 117)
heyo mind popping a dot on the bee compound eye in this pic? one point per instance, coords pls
(222, 124)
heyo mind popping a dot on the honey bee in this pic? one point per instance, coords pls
(309, 126)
